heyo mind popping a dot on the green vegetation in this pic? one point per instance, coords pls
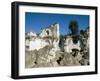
(73, 26)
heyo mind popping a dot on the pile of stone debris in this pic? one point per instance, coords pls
(51, 57)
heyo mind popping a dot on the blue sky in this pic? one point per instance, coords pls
(36, 21)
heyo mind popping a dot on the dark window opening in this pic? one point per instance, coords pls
(75, 39)
(27, 47)
(47, 32)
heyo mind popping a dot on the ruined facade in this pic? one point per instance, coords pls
(48, 36)
(69, 45)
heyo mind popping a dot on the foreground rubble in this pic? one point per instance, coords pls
(51, 57)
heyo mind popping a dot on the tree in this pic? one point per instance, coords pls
(73, 26)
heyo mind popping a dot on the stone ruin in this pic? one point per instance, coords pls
(43, 50)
